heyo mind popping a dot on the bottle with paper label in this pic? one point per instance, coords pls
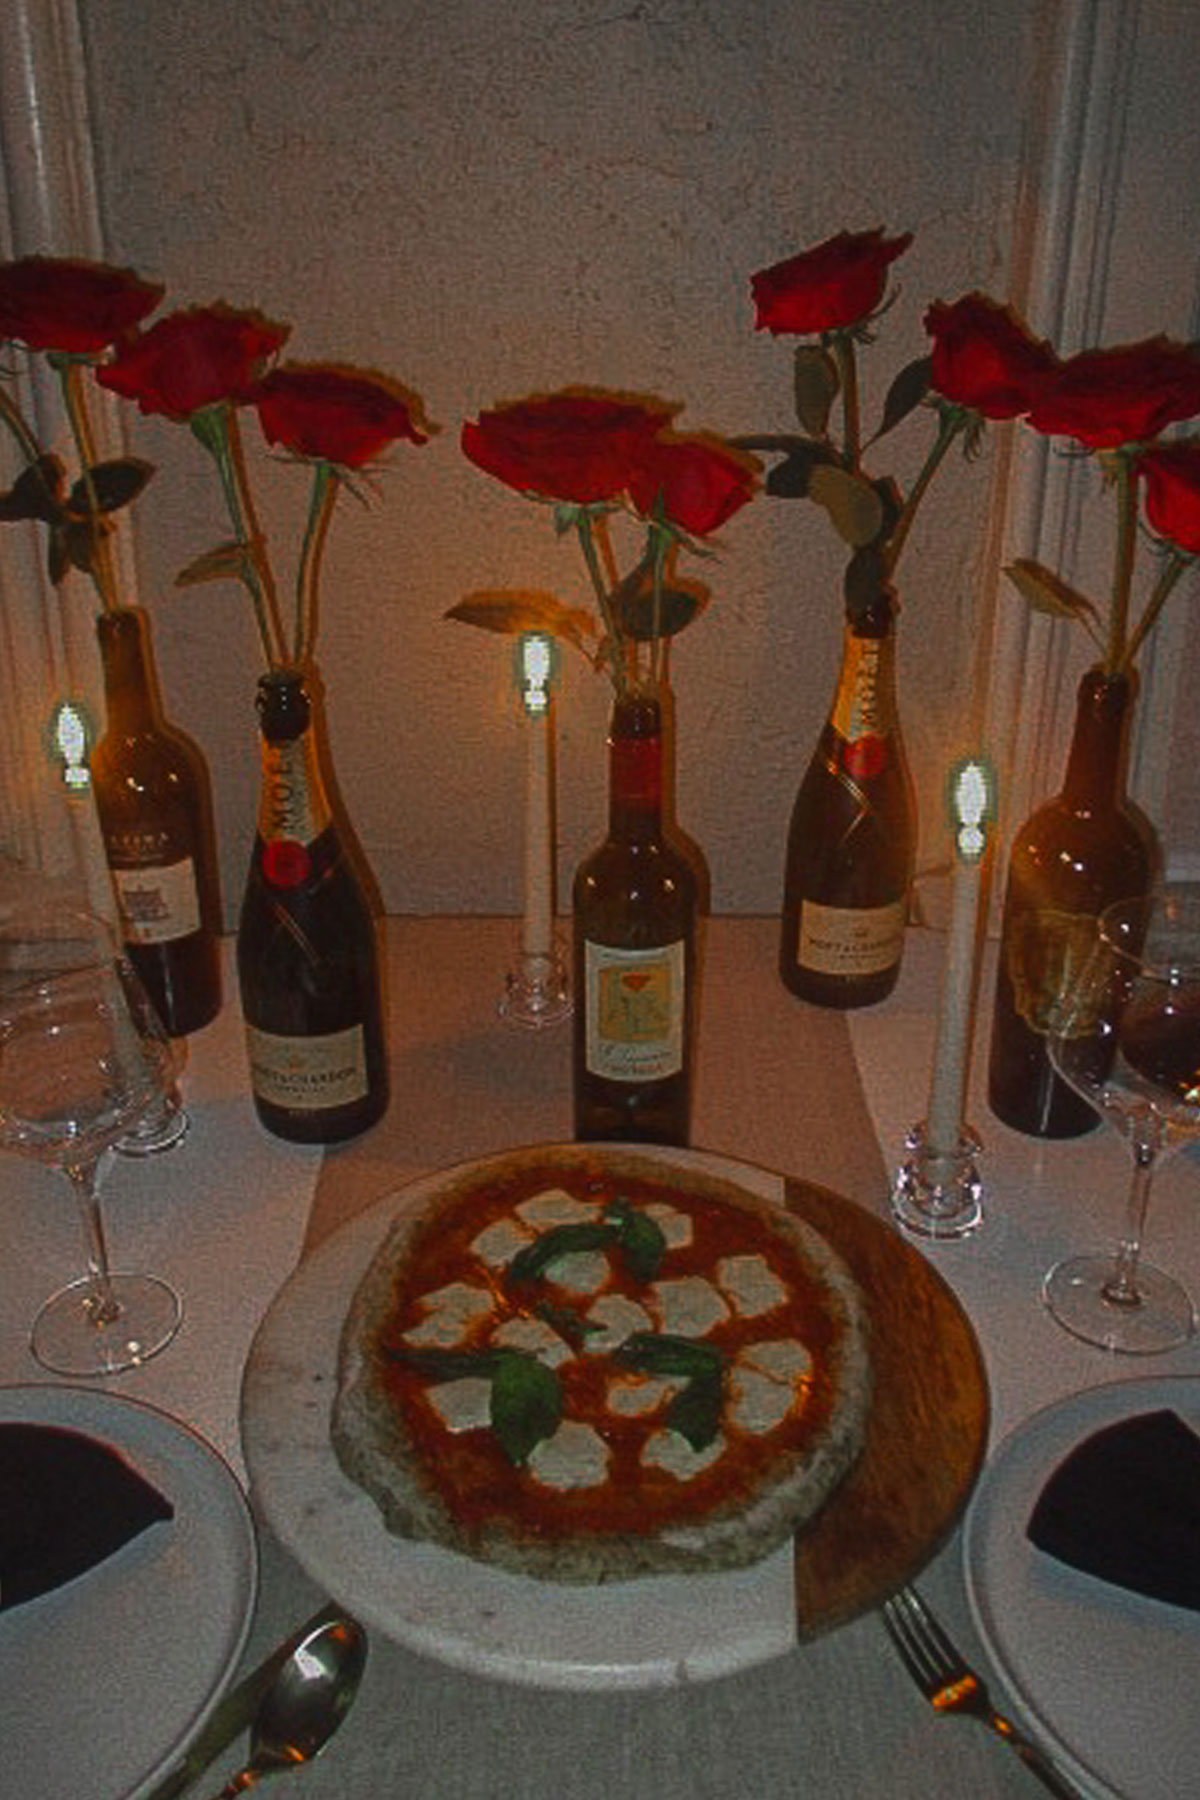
(154, 802)
(852, 839)
(307, 954)
(634, 952)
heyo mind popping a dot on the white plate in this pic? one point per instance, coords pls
(1106, 1680)
(106, 1680)
(651, 1632)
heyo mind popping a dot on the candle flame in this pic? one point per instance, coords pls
(536, 663)
(71, 742)
(972, 802)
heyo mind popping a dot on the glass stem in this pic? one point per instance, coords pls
(1121, 1287)
(103, 1306)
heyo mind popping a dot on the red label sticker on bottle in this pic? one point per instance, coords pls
(866, 757)
(286, 863)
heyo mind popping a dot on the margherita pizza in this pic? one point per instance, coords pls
(585, 1365)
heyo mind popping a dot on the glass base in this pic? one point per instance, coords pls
(938, 1197)
(69, 1337)
(536, 993)
(1078, 1294)
(162, 1128)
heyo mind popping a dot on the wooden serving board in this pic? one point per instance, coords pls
(928, 1429)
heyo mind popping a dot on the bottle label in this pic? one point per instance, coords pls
(158, 905)
(634, 1005)
(857, 709)
(836, 940)
(1044, 952)
(293, 808)
(308, 1074)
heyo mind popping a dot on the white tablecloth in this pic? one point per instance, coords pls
(225, 1218)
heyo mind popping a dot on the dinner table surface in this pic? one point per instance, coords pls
(780, 1086)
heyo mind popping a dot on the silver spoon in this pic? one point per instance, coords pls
(305, 1703)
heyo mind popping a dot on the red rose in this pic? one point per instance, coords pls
(1120, 396)
(1172, 476)
(838, 283)
(985, 357)
(701, 481)
(332, 414)
(54, 303)
(192, 359)
(576, 446)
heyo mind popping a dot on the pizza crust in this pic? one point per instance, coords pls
(377, 1449)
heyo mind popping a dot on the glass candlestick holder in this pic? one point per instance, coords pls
(536, 992)
(938, 1195)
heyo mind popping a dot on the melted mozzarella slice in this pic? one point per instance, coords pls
(464, 1404)
(498, 1243)
(619, 1317)
(575, 1456)
(757, 1402)
(669, 1451)
(676, 1227)
(786, 1359)
(449, 1314)
(580, 1271)
(689, 1307)
(534, 1336)
(634, 1396)
(751, 1284)
(554, 1206)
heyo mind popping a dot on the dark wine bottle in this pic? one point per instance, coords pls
(1079, 853)
(852, 839)
(154, 801)
(634, 952)
(307, 955)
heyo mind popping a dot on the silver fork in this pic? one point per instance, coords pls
(952, 1686)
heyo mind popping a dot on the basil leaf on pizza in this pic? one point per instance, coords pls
(695, 1412)
(586, 1364)
(526, 1404)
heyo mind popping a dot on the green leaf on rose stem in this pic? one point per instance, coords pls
(36, 493)
(640, 619)
(816, 385)
(526, 1404)
(115, 484)
(58, 556)
(851, 502)
(906, 392)
(513, 610)
(79, 538)
(892, 502)
(227, 562)
(865, 582)
(1047, 592)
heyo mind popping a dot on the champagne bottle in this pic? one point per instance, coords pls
(634, 952)
(1077, 854)
(154, 802)
(852, 838)
(307, 956)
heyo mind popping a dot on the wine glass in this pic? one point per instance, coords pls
(1127, 1037)
(82, 1058)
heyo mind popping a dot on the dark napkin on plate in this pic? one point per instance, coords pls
(1125, 1506)
(66, 1504)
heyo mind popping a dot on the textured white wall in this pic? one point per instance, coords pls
(486, 200)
